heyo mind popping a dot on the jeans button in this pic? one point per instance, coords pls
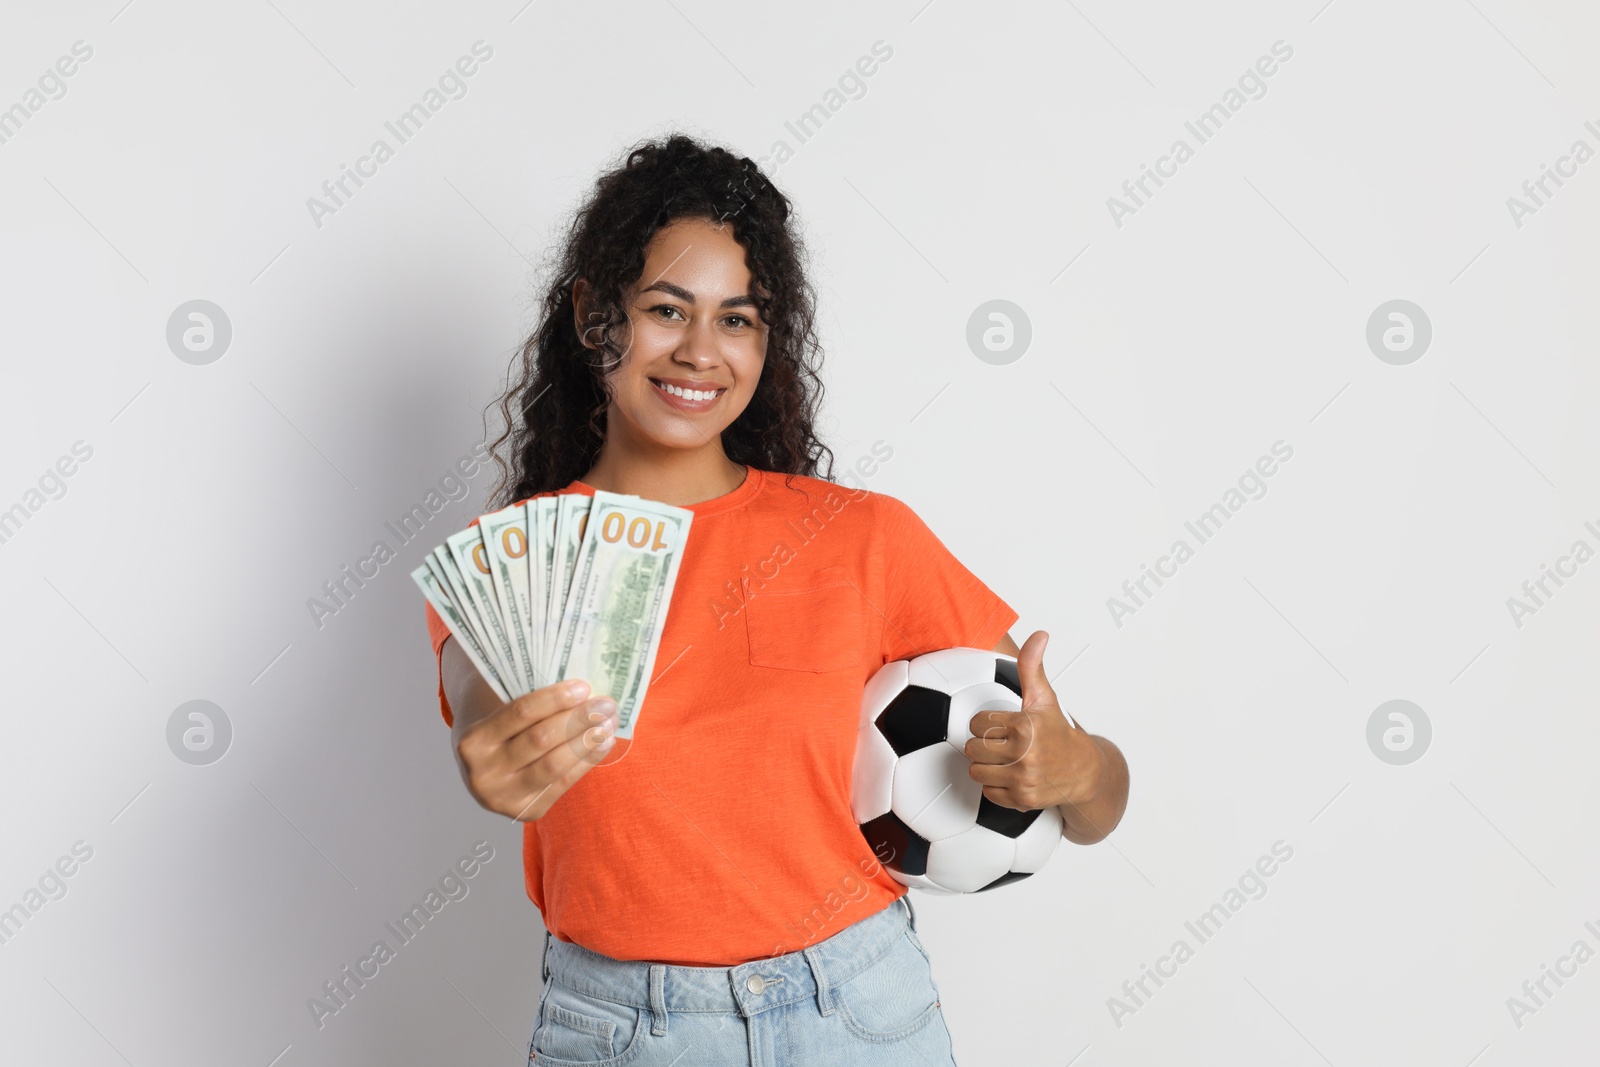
(755, 983)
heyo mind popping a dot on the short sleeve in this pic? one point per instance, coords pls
(931, 601)
(437, 632)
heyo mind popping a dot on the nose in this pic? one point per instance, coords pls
(698, 349)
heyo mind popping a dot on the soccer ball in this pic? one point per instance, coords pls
(922, 814)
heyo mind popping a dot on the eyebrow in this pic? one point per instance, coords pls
(743, 300)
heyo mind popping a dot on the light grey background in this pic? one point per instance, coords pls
(1168, 353)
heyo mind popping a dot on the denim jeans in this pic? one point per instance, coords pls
(864, 997)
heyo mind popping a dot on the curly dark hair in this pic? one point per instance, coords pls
(555, 411)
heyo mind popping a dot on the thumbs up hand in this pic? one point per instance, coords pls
(1040, 756)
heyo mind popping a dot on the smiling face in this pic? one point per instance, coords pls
(697, 343)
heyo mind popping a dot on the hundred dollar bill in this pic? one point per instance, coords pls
(542, 546)
(572, 512)
(436, 594)
(443, 566)
(622, 583)
(505, 535)
(472, 563)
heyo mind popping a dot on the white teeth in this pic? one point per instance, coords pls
(687, 394)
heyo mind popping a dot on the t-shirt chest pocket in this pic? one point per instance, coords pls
(821, 626)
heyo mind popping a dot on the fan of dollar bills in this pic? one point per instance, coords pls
(566, 586)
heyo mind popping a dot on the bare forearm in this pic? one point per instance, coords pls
(1090, 820)
(470, 697)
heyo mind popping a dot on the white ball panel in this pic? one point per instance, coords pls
(952, 669)
(933, 793)
(985, 696)
(1038, 842)
(883, 687)
(971, 860)
(872, 781)
(924, 883)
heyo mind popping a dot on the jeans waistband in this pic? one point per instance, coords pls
(748, 989)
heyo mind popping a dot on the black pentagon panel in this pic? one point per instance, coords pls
(897, 846)
(1004, 820)
(1005, 672)
(916, 718)
(1005, 879)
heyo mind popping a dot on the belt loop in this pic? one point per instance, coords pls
(658, 999)
(544, 964)
(910, 911)
(820, 973)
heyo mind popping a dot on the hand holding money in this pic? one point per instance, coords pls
(562, 587)
(518, 758)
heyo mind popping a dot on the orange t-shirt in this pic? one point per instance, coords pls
(721, 832)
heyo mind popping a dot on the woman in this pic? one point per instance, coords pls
(707, 895)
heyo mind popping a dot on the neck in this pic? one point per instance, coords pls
(675, 476)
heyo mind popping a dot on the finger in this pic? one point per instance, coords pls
(545, 780)
(517, 715)
(1003, 797)
(990, 776)
(565, 729)
(1036, 687)
(1030, 670)
(998, 737)
(997, 794)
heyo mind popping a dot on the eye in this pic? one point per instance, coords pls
(665, 307)
(739, 319)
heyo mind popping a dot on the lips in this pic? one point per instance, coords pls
(686, 394)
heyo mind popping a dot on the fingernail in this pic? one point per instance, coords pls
(577, 689)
